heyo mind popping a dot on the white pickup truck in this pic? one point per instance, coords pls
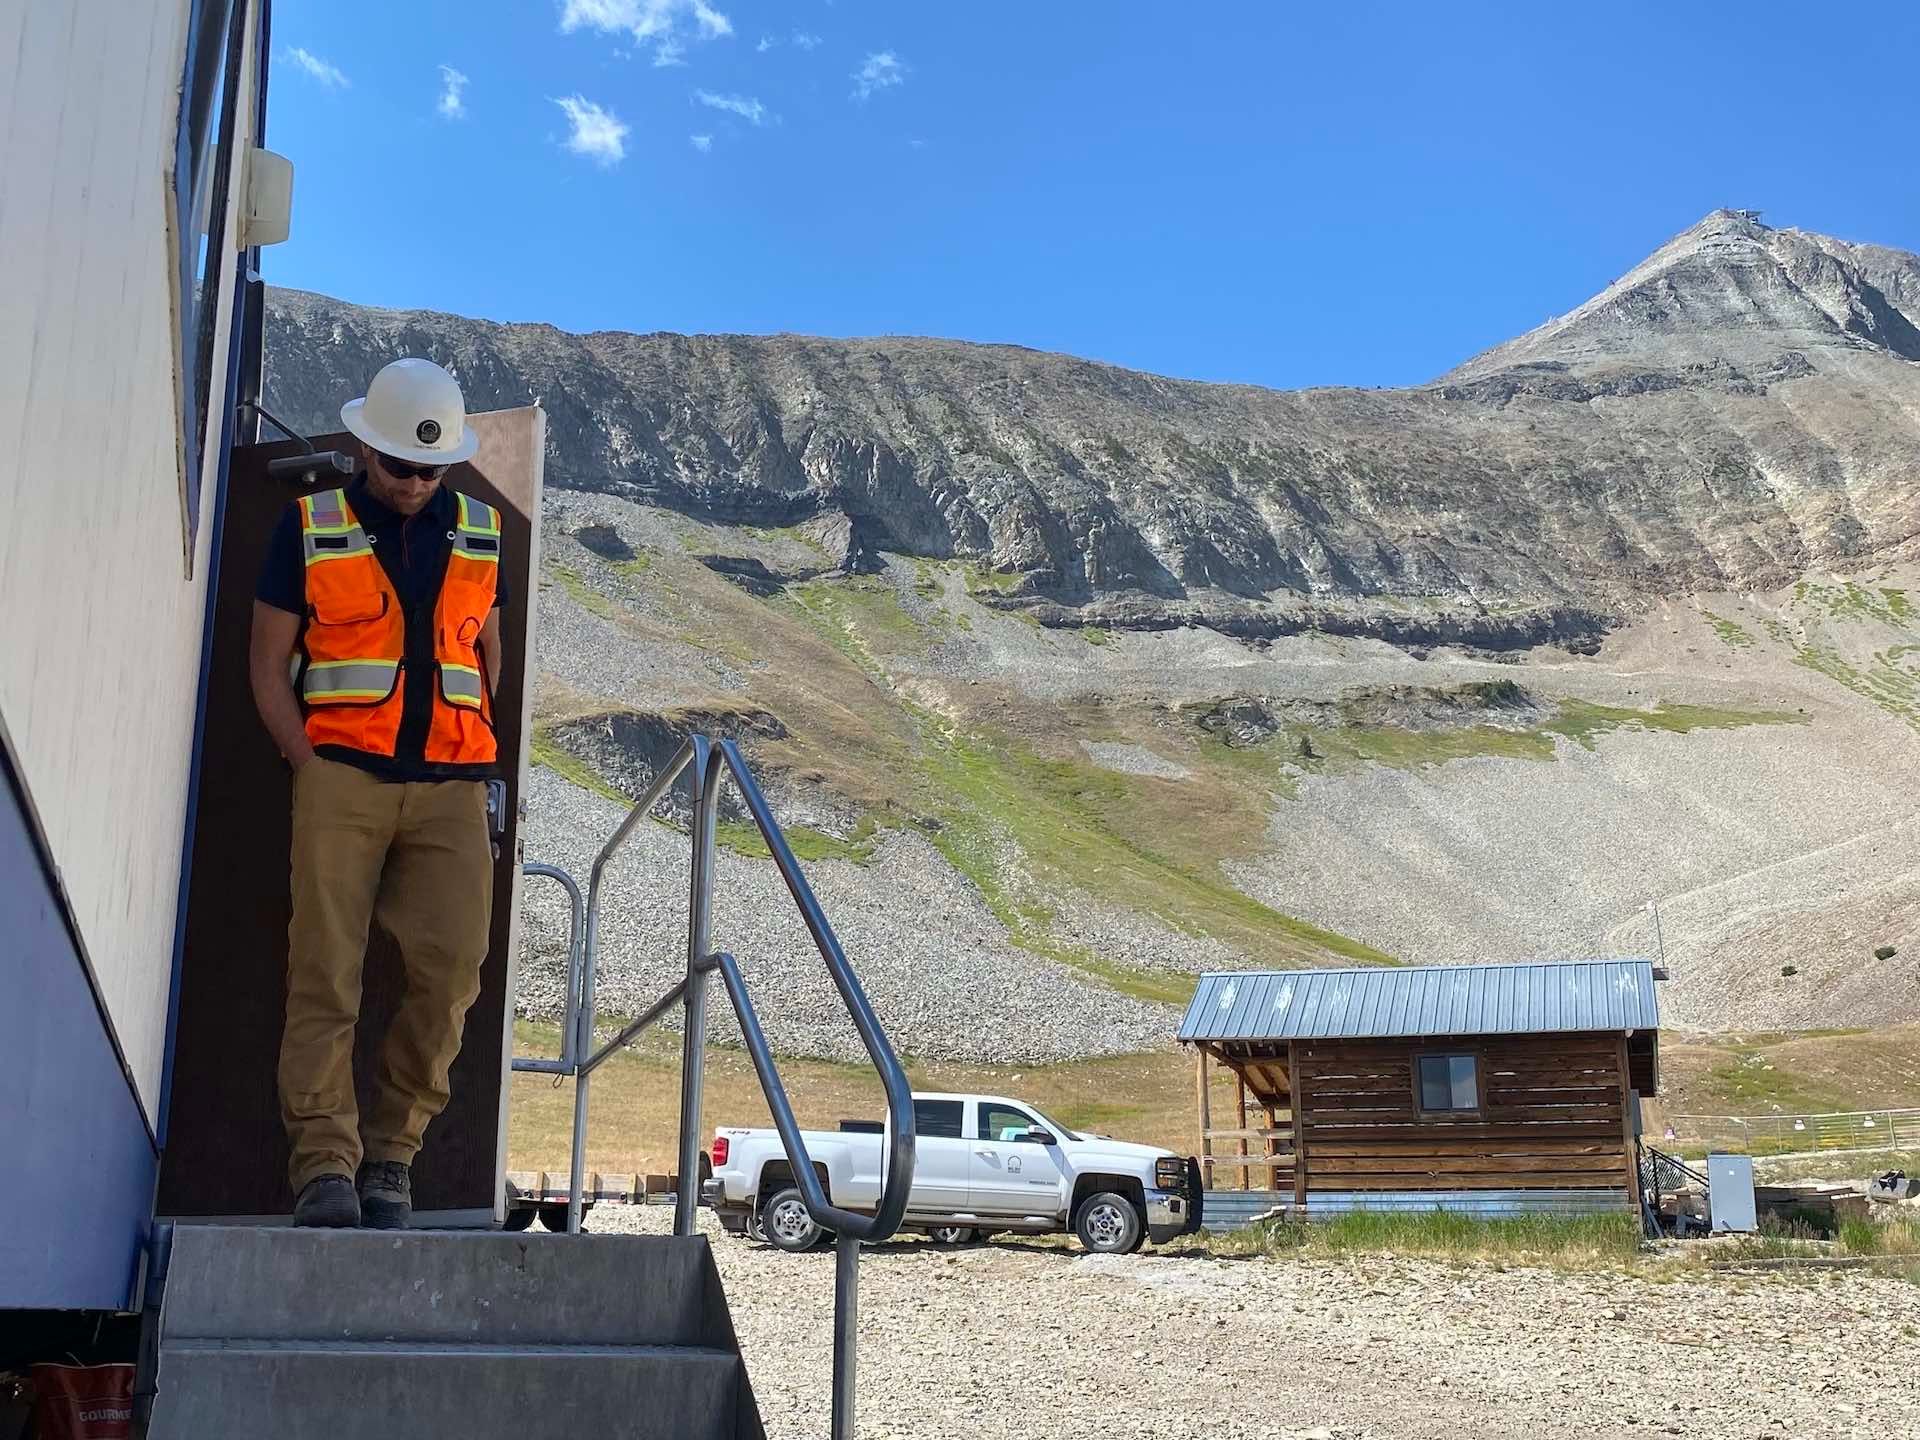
(983, 1165)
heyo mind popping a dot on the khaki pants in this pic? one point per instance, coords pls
(417, 858)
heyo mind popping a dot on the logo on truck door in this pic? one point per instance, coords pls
(1013, 1164)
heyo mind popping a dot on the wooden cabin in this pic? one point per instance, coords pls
(1492, 1089)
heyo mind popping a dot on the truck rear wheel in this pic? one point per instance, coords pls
(787, 1223)
(1110, 1224)
(953, 1234)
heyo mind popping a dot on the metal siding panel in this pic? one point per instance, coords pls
(1542, 998)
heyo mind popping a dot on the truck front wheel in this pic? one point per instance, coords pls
(1110, 1224)
(787, 1223)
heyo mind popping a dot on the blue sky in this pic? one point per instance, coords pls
(1286, 194)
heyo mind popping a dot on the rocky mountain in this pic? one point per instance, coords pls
(1741, 408)
(1069, 681)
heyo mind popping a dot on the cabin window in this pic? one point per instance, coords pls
(1448, 1084)
(938, 1119)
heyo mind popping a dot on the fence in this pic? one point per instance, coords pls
(1782, 1134)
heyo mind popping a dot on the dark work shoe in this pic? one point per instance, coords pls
(328, 1202)
(386, 1195)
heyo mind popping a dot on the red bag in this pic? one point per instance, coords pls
(83, 1402)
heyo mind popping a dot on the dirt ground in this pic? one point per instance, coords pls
(1046, 1343)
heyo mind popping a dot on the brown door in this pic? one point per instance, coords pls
(225, 1153)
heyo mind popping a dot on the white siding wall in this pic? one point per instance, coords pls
(99, 624)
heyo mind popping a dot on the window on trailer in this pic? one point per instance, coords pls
(1448, 1084)
(203, 175)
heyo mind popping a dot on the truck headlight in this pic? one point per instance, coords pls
(1170, 1173)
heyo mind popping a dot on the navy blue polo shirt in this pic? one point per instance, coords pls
(413, 550)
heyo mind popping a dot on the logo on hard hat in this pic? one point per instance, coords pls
(427, 431)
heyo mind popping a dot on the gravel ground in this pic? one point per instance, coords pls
(943, 977)
(1133, 760)
(1050, 1344)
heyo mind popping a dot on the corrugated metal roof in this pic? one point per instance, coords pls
(1423, 1000)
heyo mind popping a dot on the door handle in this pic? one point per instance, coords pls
(986, 1154)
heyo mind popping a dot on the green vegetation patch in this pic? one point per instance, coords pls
(1558, 1239)
(581, 593)
(1323, 749)
(1732, 634)
(547, 751)
(1094, 635)
(807, 843)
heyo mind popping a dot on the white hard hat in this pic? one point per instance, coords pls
(413, 411)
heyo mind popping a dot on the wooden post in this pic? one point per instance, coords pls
(1627, 1136)
(1246, 1170)
(1273, 1148)
(1206, 1117)
(1299, 1128)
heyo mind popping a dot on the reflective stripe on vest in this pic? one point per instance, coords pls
(339, 682)
(477, 535)
(328, 531)
(460, 685)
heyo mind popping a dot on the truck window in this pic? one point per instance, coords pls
(1004, 1123)
(938, 1119)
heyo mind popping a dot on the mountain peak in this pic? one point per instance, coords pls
(1729, 290)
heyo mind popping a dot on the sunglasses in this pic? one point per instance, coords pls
(401, 470)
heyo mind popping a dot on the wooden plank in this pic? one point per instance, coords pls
(1341, 1147)
(1470, 1165)
(1255, 1132)
(1500, 1095)
(1296, 1086)
(1206, 1116)
(1320, 1131)
(1284, 1161)
(1628, 1139)
(1240, 1098)
(1327, 1086)
(1510, 1114)
(1498, 1049)
(1541, 1181)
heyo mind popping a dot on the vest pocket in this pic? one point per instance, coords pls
(348, 609)
(463, 686)
(349, 682)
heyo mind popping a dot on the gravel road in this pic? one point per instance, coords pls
(1050, 1344)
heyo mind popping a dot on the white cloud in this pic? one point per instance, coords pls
(331, 76)
(805, 41)
(452, 105)
(767, 42)
(745, 106)
(702, 143)
(598, 133)
(666, 25)
(880, 72)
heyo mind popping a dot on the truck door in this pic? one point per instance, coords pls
(940, 1158)
(1011, 1174)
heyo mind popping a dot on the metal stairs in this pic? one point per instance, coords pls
(319, 1333)
(315, 1334)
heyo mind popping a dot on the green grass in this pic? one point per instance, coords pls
(1080, 824)
(863, 618)
(581, 593)
(1838, 1165)
(1582, 722)
(807, 843)
(1094, 635)
(639, 565)
(1732, 634)
(547, 751)
(1568, 1240)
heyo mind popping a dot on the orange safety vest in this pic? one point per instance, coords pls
(354, 642)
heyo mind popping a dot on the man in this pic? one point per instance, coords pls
(376, 647)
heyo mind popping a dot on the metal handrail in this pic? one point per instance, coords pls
(711, 765)
(898, 1181)
(567, 1061)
